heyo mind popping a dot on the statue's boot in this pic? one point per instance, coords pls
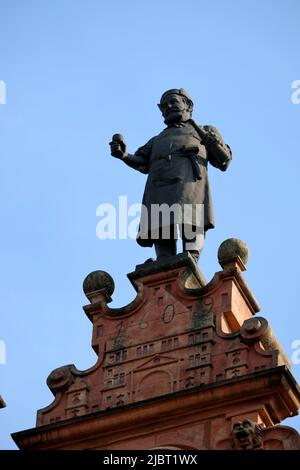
(194, 246)
(164, 249)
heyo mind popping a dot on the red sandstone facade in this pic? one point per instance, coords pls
(186, 365)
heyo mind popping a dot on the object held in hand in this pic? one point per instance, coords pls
(118, 146)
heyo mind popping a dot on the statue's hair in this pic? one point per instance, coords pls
(178, 91)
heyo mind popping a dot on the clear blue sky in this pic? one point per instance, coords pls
(78, 71)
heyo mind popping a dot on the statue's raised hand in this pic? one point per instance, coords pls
(118, 146)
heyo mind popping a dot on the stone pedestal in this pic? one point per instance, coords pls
(186, 365)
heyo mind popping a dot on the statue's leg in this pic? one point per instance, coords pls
(165, 248)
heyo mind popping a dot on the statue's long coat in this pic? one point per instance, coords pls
(176, 163)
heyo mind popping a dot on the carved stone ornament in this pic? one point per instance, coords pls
(246, 435)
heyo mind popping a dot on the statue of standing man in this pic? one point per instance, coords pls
(177, 196)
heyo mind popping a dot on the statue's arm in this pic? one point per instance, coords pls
(140, 159)
(136, 161)
(218, 153)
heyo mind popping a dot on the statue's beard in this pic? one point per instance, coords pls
(178, 116)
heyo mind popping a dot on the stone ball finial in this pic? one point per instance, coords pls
(232, 249)
(60, 378)
(98, 281)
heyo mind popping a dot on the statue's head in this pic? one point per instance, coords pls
(246, 435)
(176, 105)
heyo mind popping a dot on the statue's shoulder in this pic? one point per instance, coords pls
(161, 134)
(210, 128)
(164, 131)
(213, 130)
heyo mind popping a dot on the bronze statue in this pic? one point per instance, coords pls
(176, 163)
